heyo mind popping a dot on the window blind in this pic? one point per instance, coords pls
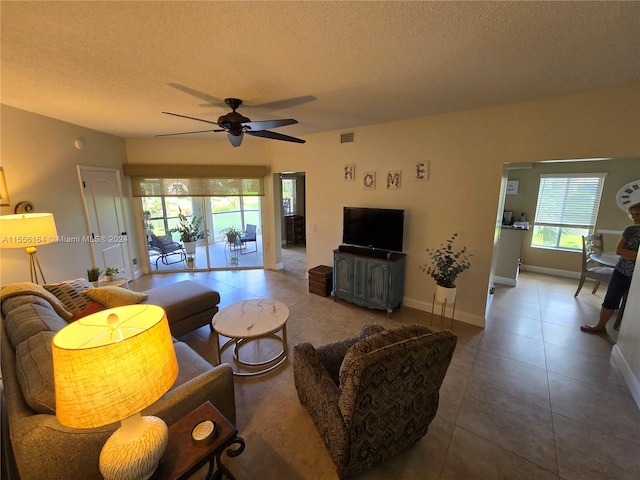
(569, 200)
(196, 180)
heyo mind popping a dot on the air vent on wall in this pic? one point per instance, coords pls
(346, 137)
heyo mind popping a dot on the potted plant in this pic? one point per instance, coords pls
(191, 261)
(446, 264)
(109, 273)
(232, 233)
(190, 231)
(93, 274)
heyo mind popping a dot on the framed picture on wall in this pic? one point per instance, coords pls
(369, 180)
(350, 172)
(512, 187)
(393, 180)
(421, 171)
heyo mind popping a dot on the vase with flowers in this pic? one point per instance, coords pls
(446, 264)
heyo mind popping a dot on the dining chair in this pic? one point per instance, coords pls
(249, 236)
(592, 244)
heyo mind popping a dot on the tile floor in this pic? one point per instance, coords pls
(529, 397)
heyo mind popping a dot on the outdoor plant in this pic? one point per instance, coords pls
(189, 230)
(232, 233)
(447, 263)
(93, 274)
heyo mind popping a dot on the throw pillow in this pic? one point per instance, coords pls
(71, 292)
(93, 307)
(34, 369)
(112, 297)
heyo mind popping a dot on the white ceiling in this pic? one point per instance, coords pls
(110, 66)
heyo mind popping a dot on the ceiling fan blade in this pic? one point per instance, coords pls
(274, 136)
(267, 124)
(284, 103)
(211, 100)
(191, 118)
(187, 133)
(235, 140)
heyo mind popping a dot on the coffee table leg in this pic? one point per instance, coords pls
(218, 346)
(285, 348)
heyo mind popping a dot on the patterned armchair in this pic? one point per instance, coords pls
(373, 395)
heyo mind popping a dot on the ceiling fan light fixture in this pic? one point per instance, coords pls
(236, 124)
(235, 139)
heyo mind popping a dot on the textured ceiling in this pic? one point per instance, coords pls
(115, 66)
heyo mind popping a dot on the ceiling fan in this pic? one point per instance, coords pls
(236, 125)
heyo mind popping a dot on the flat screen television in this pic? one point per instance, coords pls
(378, 228)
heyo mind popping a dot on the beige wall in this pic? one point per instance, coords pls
(40, 163)
(610, 217)
(466, 152)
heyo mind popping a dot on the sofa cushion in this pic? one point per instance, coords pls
(34, 369)
(70, 292)
(29, 319)
(14, 302)
(112, 297)
(190, 364)
(183, 299)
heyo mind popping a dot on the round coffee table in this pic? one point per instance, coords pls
(251, 320)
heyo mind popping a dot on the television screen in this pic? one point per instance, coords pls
(378, 228)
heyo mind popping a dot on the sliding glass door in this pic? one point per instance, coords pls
(168, 251)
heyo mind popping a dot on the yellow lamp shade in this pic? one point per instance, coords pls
(27, 230)
(110, 365)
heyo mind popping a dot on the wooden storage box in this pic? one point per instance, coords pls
(320, 280)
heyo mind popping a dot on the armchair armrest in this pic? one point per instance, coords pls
(320, 394)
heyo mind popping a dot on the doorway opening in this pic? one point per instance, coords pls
(293, 220)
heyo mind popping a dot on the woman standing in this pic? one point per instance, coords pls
(620, 281)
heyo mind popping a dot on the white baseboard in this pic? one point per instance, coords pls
(459, 315)
(274, 266)
(628, 375)
(509, 282)
(551, 271)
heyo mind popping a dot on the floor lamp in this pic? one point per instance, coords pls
(109, 366)
(28, 230)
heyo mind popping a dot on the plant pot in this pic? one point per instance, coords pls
(190, 247)
(107, 278)
(445, 294)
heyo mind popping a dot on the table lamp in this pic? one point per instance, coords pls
(28, 230)
(107, 368)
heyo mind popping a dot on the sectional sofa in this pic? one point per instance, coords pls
(40, 446)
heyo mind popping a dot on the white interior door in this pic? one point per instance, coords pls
(103, 202)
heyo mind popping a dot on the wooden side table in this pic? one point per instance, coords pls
(182, 459)
(118, 282)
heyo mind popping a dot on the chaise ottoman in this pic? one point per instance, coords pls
(188, 305)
